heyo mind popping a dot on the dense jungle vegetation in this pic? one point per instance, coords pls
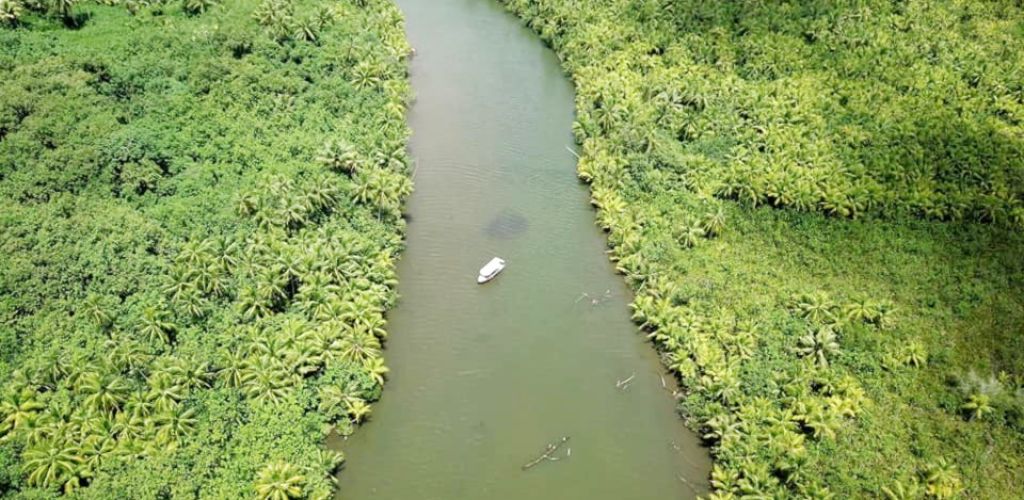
(819, 204)
(199, 211)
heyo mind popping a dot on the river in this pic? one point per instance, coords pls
(484, 377)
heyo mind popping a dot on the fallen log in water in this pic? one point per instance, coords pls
(550, 450)
(624, 384)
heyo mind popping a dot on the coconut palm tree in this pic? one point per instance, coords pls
(104, 393)
(267, 380)
(366, 75)
(690, 233)
(861, 311)
(307, 30)
(155, 325)
(820, 420)
(18, 409)
(359, 346)
(10, 11)
(198, 6)
(51, 463)
(279, 481)
(900, 490)
(37, 428)
(97, 447)
(164, 392)
(62, 9)
(94, 308)
(357, 409)
(725, 430)
(942, 480)
(819, 343)
(713, 222)
(977, 406)
(175, 424)
(816, 307)
(233, 368)
(915, 354)
(340, 156)
(332, 399)
(252, 304)
(376, 369)
(274, 13)
(138, 404)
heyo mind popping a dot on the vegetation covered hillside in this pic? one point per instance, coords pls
(867, 339)
(199, 211)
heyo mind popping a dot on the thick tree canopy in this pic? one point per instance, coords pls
(199, 211)
(848, 343)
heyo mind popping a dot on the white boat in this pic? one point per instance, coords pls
(490, 270)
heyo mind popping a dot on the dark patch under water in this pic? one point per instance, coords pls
(508, 224)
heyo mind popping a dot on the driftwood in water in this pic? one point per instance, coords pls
(548, 452)
(624, 384)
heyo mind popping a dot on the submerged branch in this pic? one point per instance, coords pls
(548, 452)
(623, 384)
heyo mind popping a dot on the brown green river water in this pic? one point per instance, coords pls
(484, 377)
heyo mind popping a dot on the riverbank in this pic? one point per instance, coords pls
(820, 354)
(201, 209)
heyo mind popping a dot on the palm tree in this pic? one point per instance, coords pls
(155, 326)
(18, 409)
(96, 448)
(131, 425)
(714, 222)
(233, 368)
(198, 6)
(724, 479)
(96, 310)
(820, 343)
(10, 11)
(691, 233)
(861, 311)
(267, 381)
(366, 75)
(175, 424)
(164, 392)
(816, 307)
(138, 404)
(252, 304)
(51, 463)
(307, 30)
(376, 369)
(977, 406)
(332, 399)
(915, 354)
(941, 480)
(125, 355)
(328, 462)
(725, 430)
(37, 428)
(359, 346)
(821, 420)
(279, 481)
(104, 393)
(358, 410)
(62, 9)
(910, 490)
(192, 302)
(339, 156)
(195, 374)
(274, 13)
